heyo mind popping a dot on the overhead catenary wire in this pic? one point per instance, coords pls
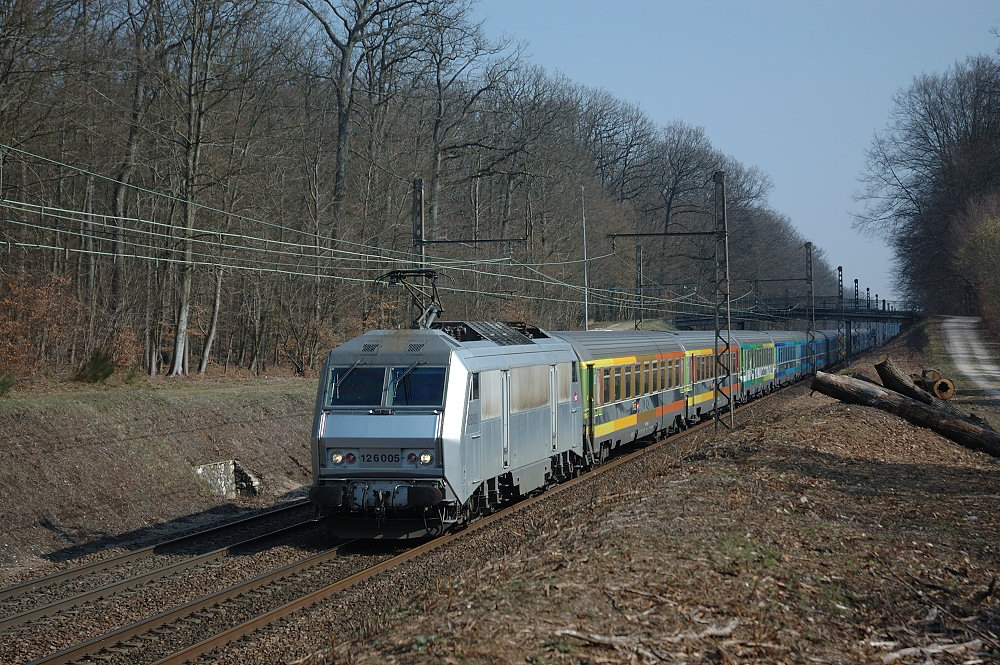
(299, 251)
(400, 255)
(233, 250)
(214, 259)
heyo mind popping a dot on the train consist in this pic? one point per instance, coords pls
(418, 431)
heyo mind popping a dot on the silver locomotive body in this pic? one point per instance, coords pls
(419, 430)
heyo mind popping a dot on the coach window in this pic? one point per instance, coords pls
(618, 385)
(656, 376)
(645, 378)
(606, 385)
(628, 381)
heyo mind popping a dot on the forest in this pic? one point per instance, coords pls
(932, 190)
(197, 184)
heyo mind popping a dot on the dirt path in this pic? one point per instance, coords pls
(970, 355)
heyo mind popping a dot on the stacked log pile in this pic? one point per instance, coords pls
(905, 396)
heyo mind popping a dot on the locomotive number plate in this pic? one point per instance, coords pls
(379, 457)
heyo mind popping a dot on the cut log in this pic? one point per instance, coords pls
(929, 376)
(957, 429)
(943, 388)
(894, 378)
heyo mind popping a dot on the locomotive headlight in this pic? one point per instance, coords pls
(426, 458)
(336, 457)
(412, 458)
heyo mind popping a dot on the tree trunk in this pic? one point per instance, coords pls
(959, 430)
(895, 379)
(213, 326)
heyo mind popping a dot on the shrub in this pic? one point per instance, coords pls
(98, 368)
(6, 383)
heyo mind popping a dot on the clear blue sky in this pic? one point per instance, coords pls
(795, 87)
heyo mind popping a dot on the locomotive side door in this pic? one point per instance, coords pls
(554, 403)
(473, 467)
(505, 415)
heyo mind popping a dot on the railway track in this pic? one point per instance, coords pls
(36, 613)
(189, 630)
(67, 588)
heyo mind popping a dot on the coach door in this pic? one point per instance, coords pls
(687, 380)
(505, 415)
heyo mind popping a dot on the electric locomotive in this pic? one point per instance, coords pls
(421, 430)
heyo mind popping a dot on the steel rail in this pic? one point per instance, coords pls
(95, 644)
(109, 590)
(105, 564)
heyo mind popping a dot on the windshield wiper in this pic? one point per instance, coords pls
(406, 373)
(341, 379)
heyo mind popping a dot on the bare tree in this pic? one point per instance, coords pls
(940, 149)
(209, 32)
(348, 25)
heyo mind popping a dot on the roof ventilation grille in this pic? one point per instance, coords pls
(499, 333)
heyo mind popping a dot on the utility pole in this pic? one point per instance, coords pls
(811, 333)
(638, 286)
(586, 279)
(419, 239)
(842, 321)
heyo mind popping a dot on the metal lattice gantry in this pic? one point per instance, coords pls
(723, 313)
(723, 401)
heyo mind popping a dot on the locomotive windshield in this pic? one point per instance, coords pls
(356, 386)
(361, 386)
(416, 386)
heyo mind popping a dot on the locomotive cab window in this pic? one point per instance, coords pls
(416, 386)
(356, 386)
(474, 386)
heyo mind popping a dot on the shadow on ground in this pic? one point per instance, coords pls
(85, 541)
